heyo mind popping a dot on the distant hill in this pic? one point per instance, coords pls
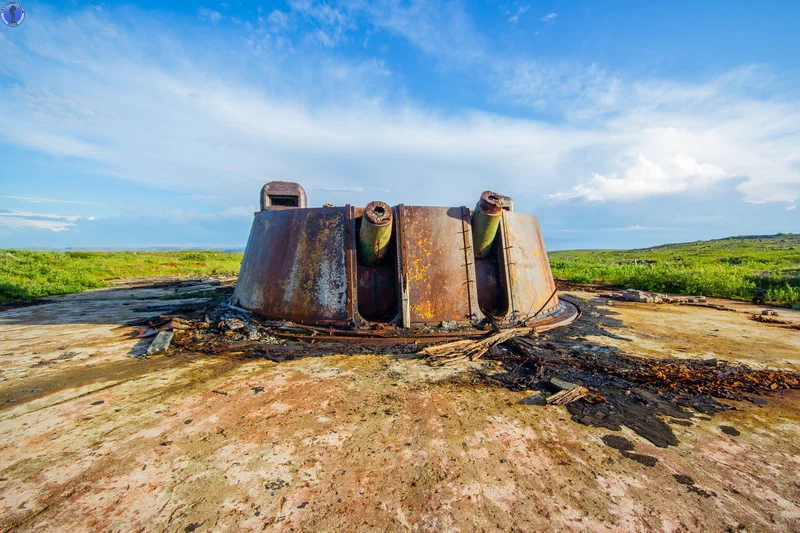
(779, 240)
(734, 267)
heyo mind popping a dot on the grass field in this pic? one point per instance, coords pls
(27, 275)
(727, 268)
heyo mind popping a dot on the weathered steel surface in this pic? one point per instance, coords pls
(406, 266)
(377, 292)
(530, 281)
(282, 193)
(295, 266)
(491, 286)
(439, 281)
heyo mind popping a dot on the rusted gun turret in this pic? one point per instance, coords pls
(404, 266)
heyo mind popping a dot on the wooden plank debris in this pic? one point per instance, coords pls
(469, 349)
(161, 343)
(567, 395)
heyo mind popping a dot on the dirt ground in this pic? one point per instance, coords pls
(97, 439)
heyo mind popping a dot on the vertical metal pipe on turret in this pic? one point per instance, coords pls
(375, 233)
(485, 221)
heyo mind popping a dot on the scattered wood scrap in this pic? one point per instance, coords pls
(767, 319)
(567, 395)
(469, 349)
(161, 343)
(160, 324)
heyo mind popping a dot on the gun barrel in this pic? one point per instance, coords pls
(485, 221)
(375, 233)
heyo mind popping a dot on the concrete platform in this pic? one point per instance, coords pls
(94, 439)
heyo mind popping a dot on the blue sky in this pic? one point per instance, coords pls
(619, 124)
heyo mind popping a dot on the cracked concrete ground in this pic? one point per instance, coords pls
(96, 440)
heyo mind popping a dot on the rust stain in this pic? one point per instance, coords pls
(424, 310)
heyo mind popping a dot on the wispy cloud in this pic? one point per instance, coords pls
(350, 190)
(332, 25)
(183, 124)
(550, 17)
(46, 221)
(635, 227)
(513, 19)
(181, 215)
(41, 200)
(663, 137)
(699, 218)
(441, 29)
(209, 14)
(279, 19)
(13, 222)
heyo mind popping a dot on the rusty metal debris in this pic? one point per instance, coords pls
(161, 324)
(769, 318)
(716, 378)
(645, 394)
(633, 295)
(402, 267)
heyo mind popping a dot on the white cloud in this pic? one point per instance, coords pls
(41, 200)
(209, 14)
(183, 124)
(48, 221)
(550, 17)
(513, 19)
(26, 214)
(440, 29)
(187, 128)
(23, 223)
(700, 218)
(180, 215)
(663, 137)
(332, 24)
(576, 90)
(642, 177)
(278, 19)
(633, 228)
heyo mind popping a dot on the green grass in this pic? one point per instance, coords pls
(27, 275)
(728, 268)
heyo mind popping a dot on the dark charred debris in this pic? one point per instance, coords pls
(599, 385)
